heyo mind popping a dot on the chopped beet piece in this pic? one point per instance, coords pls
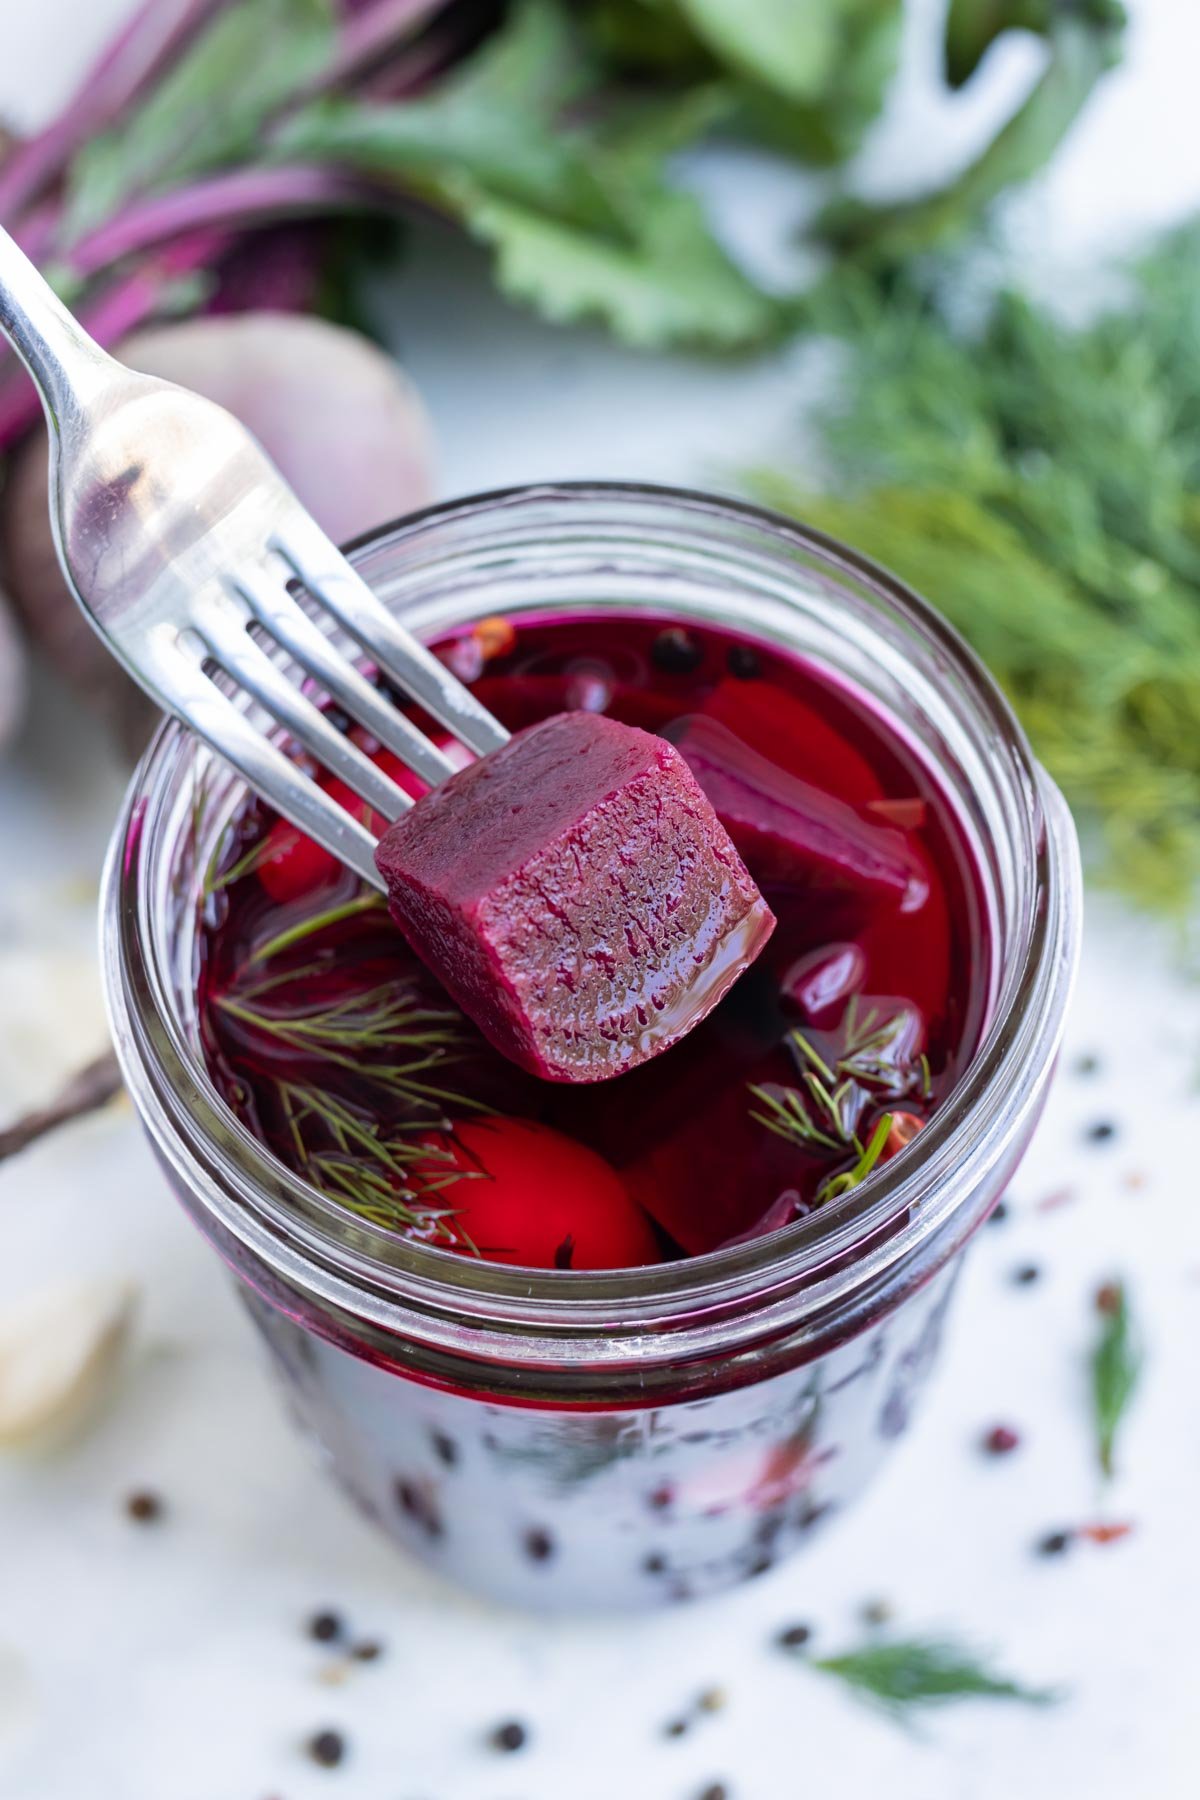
(790, 832)
(794, 734)
(577, 895)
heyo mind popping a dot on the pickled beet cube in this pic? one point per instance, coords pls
(789, 831)
(577, 895)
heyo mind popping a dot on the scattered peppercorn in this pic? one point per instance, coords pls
(676, 651)
(1000, 1440)
(1027, 1273)
(675, 1728)
(877, 1612)
(512, 1735)
(144, 1507)
(539, 1545)
(325, 1627)
(761, 1564)
(743, 662)
(416, 1500)
(655, 1563)
(1108, 1298)
(713, 1700)
(1101, 1131)
(1054, 1543)
(716, 1790)
(445, 1448)
(1087, 1065)
(662, 1497)
(327, 1748)
(368, 1651)
(792, 1637)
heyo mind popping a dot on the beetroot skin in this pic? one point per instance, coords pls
(577, 895)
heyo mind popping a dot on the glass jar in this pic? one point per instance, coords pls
(573, 1439)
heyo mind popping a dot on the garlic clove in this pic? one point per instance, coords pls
(59, 1348)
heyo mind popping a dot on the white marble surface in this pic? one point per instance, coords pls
(168, 1663)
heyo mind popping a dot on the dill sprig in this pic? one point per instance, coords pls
(332, 915)
(1116, 1369)
(873, 1052)
(354, 1028)
(914, 1673)
(393, 1182)
(1041, 485)
(794, 1116)
(834, 1186)
(376, 1153)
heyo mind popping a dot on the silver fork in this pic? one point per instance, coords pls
(179, 539)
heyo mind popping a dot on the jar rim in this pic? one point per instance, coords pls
(900, 1224)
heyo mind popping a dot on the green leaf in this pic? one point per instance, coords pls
(918, 1673)
(671, 283)
(1116, 1368)
(1080, 54)
(788, 46)
(582, 220)
(208, 111)
(972, 27)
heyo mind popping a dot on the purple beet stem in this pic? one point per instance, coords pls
(137, 56)
(367, 37)
(242, 198)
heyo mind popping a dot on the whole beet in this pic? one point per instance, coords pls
(340, 419)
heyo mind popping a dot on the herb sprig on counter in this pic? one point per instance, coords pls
(1116, 1369)
(1040, 484)
(913, 1674)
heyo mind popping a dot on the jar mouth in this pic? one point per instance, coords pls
(607, 542)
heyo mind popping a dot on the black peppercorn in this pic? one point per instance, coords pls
(539, 1545)
(676, 652)
(325, 1627)
(1101, 1131)
(1027, 1273)
(1054, 1543)
(512, 1735)
(445, 1448)
(144, 1507)
(743, 662)
(368, 1651)
(327, 1748)
(793, 1637)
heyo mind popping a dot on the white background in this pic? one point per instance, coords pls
(170, 1663)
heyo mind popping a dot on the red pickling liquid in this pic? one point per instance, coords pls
(878, 962)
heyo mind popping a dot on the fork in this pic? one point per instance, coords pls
(183, 545)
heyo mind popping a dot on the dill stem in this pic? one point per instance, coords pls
(333, 915)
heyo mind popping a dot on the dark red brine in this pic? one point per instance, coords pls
(340, 1051)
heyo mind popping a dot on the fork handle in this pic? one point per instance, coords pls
(49, 340)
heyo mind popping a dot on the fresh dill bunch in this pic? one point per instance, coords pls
(1040, 484)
